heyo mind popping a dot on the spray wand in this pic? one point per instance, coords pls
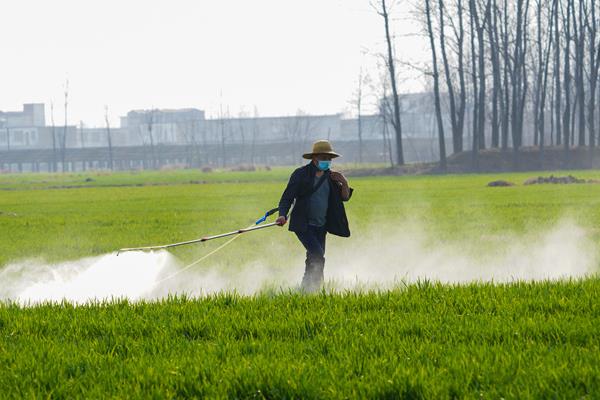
(256, 226)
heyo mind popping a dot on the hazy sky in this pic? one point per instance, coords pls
(277, 55)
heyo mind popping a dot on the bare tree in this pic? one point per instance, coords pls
(506, 101)
(546, 64)
(146, 135)
(479, 21)
(475, 84)
(457, 111)
(255, 133)
(54, 155)
(358, 102)
(543, 45)
(222, 132)
(519, 80)
(242, 115)
(150, 121)
(493, 38)
(591, 23)
(63, 141)
(81, 135)
(557, 98)
(385, 110)
(382, 10)
(579, 42)
(189, 130)
(552, 46)
(436, 87)
(566, 118)
(108, 138)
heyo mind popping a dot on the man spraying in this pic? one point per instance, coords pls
(319, 194)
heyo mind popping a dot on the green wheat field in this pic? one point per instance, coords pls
(418, 338)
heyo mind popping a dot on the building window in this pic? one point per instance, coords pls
(17, 137)
(33, 137)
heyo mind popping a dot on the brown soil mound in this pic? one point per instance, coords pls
(500, 184)
(556, 180)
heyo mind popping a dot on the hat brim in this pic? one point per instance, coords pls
(309, 156)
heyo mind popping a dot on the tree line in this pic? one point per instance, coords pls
(520, 72)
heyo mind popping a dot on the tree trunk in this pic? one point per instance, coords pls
(594, 54)
(476, 105)
(456, 133)
(359, 110)
(497, 79)
(567, 81)
(507, 68)
(482, 81)
(396, 102)
(579, 33)
(108, 139)
(557, 80)
(436, 89)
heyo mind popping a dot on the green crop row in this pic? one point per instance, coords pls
(66, 224)
(423, 341)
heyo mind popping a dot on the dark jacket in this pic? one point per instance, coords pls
(299, 188)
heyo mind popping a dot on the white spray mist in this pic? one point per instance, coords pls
(372, 260)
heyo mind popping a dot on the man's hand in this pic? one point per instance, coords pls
(338, 177)
(343, 182)
(281, 221)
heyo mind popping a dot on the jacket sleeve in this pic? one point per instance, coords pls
(350, 194)
(289, 194)
(339, 186)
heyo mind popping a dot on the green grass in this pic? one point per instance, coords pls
(427, 341)
(424, 340)
(65, 224)
(133, 178)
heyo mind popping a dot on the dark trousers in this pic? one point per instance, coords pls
(313, 240)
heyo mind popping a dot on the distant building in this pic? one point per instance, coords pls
(181, 126)
(98, 137)
(371, 127)
(158, 137)
(417, 111)
(33, 115)
(291, 129)
(27, 130)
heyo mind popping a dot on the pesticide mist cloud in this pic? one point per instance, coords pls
(408, 255)
(104, 277)
(372, 260)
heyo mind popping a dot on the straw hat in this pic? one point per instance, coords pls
(321, 147)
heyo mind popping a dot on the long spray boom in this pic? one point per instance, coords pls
(207, 238)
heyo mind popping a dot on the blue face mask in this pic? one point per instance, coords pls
(324, 165)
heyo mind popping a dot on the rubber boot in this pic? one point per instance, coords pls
(313, 274)
(308, 275)
(318, 273)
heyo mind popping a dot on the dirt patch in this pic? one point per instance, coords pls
(500, 184)
(558, 180)
(243, 168)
